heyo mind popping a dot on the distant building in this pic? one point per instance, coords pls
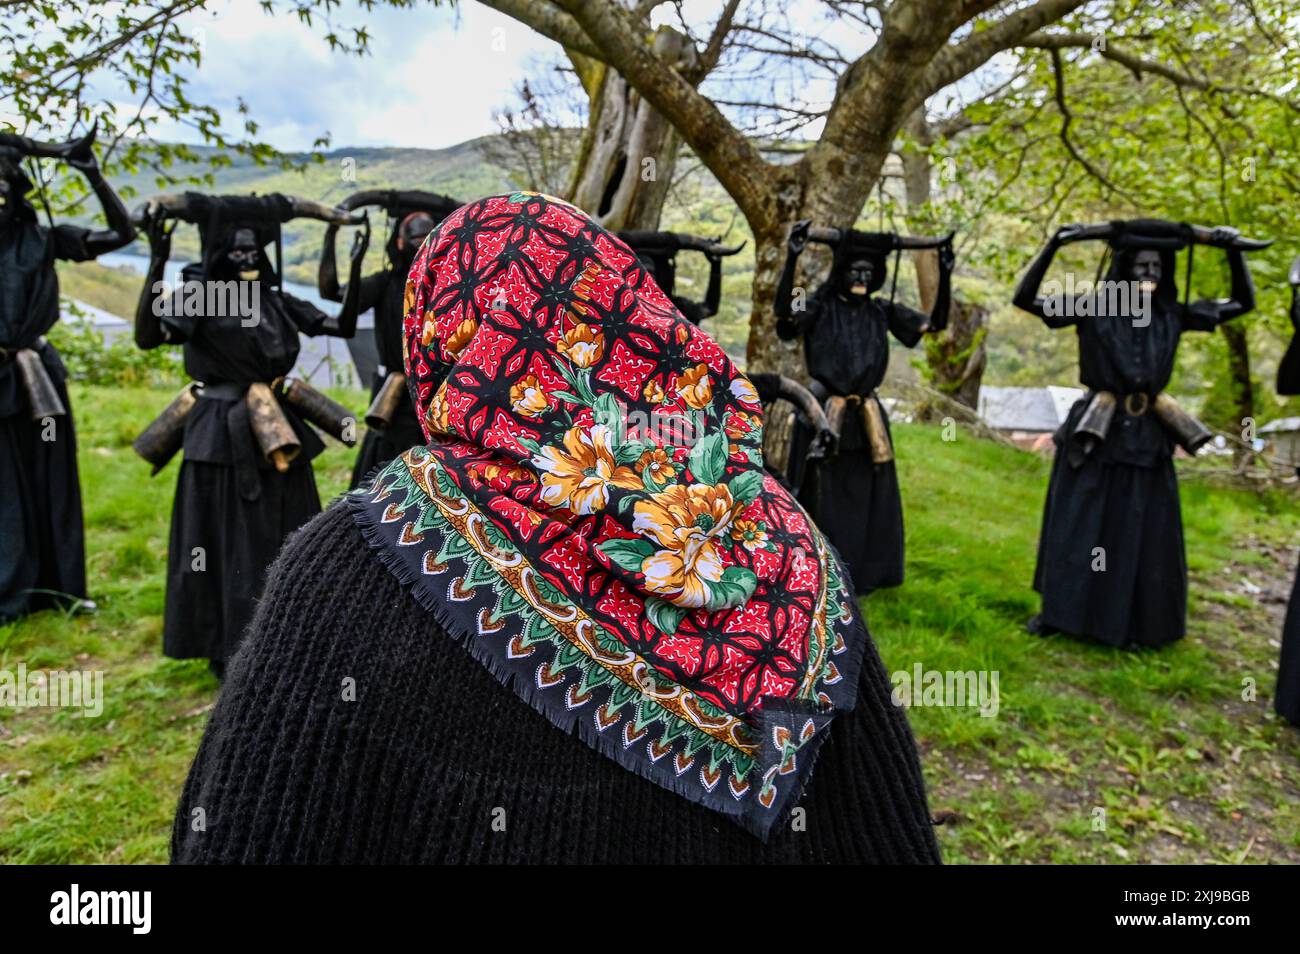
(1027, 416)
(1284, 436)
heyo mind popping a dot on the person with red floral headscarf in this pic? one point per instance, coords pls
(586, 544)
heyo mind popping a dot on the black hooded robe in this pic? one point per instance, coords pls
(1111, 560)
(855, 501)
(1286, 700)
(42, 538)
(384, 292)
(233, 509)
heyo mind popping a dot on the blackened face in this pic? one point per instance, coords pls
(1147, 269)
(245, 256)
(415, 229)
(857, 277)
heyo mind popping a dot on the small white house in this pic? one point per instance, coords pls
(1284, 436)
(1028, 416)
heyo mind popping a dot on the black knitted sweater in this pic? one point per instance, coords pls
(330, 743)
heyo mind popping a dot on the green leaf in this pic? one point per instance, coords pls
(651, 485)
(583, 383)
(627, 554)
(736, 586)
(567, 371)
(629, 452)
(663, 616)
(606, 411)
(708, 458)
(746, 487)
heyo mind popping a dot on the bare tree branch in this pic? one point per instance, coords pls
(736, 162)
(965, 57)
(1141, 66)
(1058, 92)
(550, 22)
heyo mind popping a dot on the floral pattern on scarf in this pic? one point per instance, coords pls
(592, 516)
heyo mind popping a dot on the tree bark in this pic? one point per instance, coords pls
(629, 150)
(956, 357)
(910, 60)
(1243, 396)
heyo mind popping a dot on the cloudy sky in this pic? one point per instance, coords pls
(435, 76)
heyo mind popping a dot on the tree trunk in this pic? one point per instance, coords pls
(629, 151)
(1243, 396)
(955, 358)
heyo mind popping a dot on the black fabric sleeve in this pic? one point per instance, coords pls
(352, 730)
(71, 243)
(309, 319)
(906, 323)
(371, 291)
(1026, 297)
(1208, 313)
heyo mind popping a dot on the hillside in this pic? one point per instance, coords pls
(1020, 350)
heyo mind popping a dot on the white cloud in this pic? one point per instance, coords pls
(435, 76)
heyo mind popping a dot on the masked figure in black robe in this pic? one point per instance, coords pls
(1286, 701)
(1111, 563)
(853, 495)
(42, 541)
(417, 214)
(235, 503)
(658, 254)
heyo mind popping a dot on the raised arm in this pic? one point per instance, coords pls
(791, 325)
(327, 278)
(938, 319)
(149, 332)
(1027, 298)
(119, 230)
(713, 294)
(1208, 313)
(311, 320)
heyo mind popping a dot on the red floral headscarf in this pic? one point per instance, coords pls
(592, 514)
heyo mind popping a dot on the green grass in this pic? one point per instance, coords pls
(102, 790)
(1184, 768)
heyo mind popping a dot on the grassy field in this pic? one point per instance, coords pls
(1180, 765)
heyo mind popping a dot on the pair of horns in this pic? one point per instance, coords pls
(1170, 234)
(188, 207)
(72, 149)
(402, 200)
(677, 241)
(832, 236)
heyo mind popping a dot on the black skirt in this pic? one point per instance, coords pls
(854, 501)
(42, 539)
(1286, 701)
(220, 547)
(1111, 561)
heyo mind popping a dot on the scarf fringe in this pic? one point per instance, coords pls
(747, 813)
